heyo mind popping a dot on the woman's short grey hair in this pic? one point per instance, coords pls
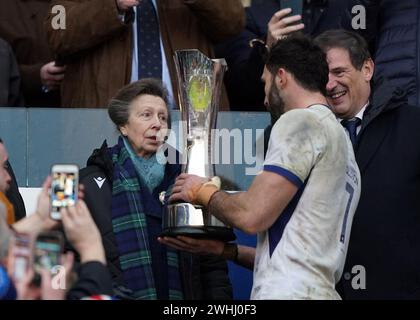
(119, 106)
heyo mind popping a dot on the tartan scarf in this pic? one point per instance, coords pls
(130, 199)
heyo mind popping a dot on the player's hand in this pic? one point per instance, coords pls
(196, 246)
(186, 188)
(124, 5)
(51, 75)
(279, 25)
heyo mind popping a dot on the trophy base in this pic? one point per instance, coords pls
(194, 221)
(216, 233)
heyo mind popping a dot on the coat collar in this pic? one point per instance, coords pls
(384, 99)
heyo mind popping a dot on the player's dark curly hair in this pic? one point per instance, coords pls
(303, 59)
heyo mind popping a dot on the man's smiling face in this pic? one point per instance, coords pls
(348, 89)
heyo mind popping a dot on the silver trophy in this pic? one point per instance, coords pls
(200, 82)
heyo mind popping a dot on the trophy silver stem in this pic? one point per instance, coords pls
(200, 82)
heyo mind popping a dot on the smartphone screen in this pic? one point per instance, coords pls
(64, 188)
(47, 254)
(47, 251)
(20, 255)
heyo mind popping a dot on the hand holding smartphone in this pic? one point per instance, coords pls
(48, 248)
(285, 21)
(20, 256)
(64, 187)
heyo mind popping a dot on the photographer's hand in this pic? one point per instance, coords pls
(82, 233)
(40, 220)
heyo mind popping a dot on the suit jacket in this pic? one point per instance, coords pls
(97, 45)
(22, 26)
(385, 236)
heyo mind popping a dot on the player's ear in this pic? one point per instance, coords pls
(281, 78)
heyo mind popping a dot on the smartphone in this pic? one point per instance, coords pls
(48, 248)
(295, 5)
(59, 62)
(64, 187)
(20, 255)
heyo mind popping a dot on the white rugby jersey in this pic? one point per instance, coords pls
(302, 255)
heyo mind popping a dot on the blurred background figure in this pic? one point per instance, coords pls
(4, 204)
(10, 82)
(93, 277)
(22, 25)
(395, 27)
(9, 190)
(109, 43)
(266, 22)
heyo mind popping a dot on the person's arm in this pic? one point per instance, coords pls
(245, 257)
(88, 23)
(252, 211)
(40, 220)
(219, 19)
(93, 279)
(239, 254)
(281, 25)
(27, 290)
(289, 161)
(82, 233)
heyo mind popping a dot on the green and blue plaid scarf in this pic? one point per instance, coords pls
(130, 199)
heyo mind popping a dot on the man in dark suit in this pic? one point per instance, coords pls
(383, 260)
